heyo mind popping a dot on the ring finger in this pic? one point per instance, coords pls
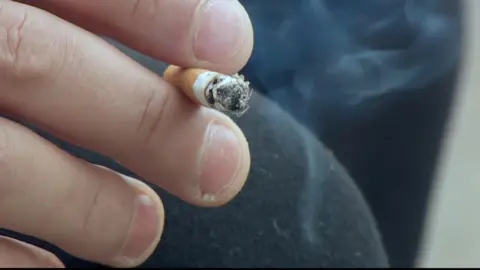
(88, 211)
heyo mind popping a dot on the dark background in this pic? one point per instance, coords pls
(384, 124)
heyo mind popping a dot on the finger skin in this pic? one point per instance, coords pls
(15, 254)
(215, 35)
(90, 212)
(82, 89)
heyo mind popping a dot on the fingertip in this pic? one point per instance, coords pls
(146, 228)
(223, 38)
(225, 162)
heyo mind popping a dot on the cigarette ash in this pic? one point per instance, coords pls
(229, 94)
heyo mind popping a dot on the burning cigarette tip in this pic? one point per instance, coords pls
(228, 94)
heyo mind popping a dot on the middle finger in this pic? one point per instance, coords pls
(208, 34)
(81, 88)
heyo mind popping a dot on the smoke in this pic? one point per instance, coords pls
(328, 53)
(325, 57)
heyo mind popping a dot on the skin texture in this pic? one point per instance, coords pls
(14, 253)
(186, 33)
(73, 84)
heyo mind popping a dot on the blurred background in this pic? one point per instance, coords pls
(375, 81)
(452, 236)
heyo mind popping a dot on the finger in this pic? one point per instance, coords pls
(15, 254)
(90, 212)
(213, 34)
(80, 88)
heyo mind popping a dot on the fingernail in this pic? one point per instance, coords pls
(220, 161)
(144, 232)
(221, 31)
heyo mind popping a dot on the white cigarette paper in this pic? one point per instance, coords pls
(228, 94)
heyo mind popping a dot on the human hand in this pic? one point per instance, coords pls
(64, 79)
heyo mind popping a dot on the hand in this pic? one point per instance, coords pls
(70, 82)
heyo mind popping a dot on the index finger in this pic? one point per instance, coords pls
(211, 34)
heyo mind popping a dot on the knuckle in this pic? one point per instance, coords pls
(91, 207)
(90, 214)
(102, 201)
(144, 10)
(27, 50)
(152, 120)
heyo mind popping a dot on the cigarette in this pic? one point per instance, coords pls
(228, 94)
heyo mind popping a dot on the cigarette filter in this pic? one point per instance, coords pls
(228, 94)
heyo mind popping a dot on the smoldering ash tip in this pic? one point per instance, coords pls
(229, 94)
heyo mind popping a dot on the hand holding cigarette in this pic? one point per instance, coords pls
(228, 94)
(59, 75)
